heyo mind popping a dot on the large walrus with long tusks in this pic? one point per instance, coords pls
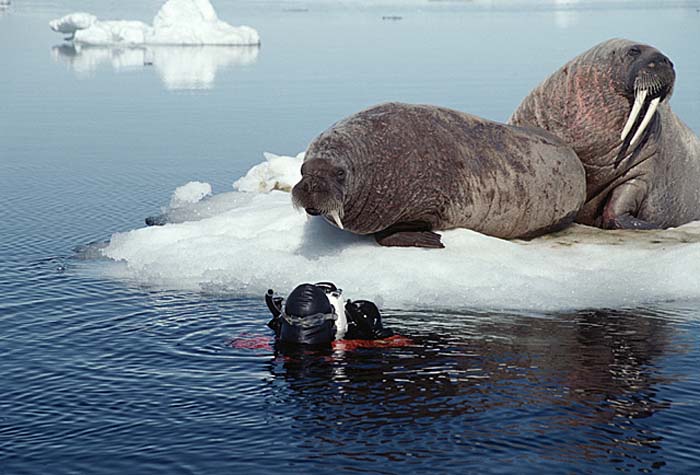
(611, 105)
(401, 171)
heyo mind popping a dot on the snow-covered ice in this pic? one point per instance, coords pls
(178, 22)
(275, 173)
(242, 243)
(189, 194)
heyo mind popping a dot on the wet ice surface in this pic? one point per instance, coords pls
(108, 369)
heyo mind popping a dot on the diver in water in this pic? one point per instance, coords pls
(315, 314)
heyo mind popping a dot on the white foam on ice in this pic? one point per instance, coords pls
(187, 67)
(178, 22)
(242, 243)
(189, 194)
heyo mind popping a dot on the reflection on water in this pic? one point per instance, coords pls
(180, 67)
(580, 388)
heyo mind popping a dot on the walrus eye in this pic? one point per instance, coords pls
(634, 51)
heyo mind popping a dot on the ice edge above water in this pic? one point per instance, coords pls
(243, 242)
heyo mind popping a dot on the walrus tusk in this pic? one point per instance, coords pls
(638, 103)
(647, 118)
(336, 217)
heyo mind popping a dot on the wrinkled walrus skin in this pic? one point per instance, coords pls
(637, 177)
(401, 171)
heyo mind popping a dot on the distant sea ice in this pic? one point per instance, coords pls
(178, 22)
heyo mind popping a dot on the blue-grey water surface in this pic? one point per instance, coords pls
(102, 377)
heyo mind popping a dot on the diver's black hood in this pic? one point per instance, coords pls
(306, 300)
(308, 317)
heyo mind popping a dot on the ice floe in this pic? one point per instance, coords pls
(243, 242)
(178, 22)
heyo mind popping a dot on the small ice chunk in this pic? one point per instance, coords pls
(190, 193)
(277, 172)
(71, 23)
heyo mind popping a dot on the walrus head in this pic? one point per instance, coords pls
(648, 80)
(603, 103)
(321, 190)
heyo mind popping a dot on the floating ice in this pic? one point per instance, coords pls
(191, 67)
(178, 22)
(277, 172)
(242, 243)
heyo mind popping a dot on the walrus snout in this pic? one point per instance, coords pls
(650, 81)
(319, 196)
(654, 73)
(321, 188)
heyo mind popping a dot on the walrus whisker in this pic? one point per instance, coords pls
(647, 118)
(636, 108)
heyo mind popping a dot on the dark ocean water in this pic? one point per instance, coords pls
(103, 376)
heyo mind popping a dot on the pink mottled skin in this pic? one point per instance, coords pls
(654, 183)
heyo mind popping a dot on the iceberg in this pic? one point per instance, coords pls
(243, 242)
(178, 22)
(186, 67)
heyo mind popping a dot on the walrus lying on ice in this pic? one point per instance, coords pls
(401, 171)
(611, 105)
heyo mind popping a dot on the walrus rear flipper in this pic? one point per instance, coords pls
(409, 235)
(627, 221)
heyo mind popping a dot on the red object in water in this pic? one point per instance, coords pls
(395, 341)
(264, 342)
(252, 342)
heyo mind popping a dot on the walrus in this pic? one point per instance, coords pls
(401, 171)
(611, 105)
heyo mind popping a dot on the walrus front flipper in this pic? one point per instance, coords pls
(623, 204)
(409, 239)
